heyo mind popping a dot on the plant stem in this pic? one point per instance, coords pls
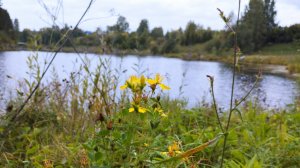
(232, 85)
(215, 104)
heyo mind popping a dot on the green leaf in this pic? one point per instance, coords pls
(32, 150)
(98, 156)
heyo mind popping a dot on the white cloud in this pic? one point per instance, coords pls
(170, 14)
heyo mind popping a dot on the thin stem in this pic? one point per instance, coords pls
(214, 101)
(244, 98)
(232, 86)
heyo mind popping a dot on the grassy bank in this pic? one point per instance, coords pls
(278, 54)
(80, 122)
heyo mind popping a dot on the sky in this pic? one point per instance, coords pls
(169, 14)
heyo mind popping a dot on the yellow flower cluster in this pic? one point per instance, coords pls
(173, 150)
(137, 86)
(157, 81)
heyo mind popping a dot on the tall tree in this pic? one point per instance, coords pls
(16, 25)
(119, 33)
(270, 13)
(253, 27)
(143, 27)
(157, 32)
(5, 21)
(143, 34)
(190, 33)
(121, 26)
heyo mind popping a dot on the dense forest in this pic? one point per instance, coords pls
(258, 28)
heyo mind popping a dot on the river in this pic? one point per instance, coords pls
(272, 91)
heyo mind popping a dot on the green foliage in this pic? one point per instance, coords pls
(7, 33)
(121, 26)
(6, 23)
(172, 39)
(196, 34)
(190, 33)
(253, 27)
(270, 13)
(16, 25)
(157, 32)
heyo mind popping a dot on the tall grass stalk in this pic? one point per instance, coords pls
(233, 79)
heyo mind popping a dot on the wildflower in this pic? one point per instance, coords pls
(84, 162)
(160, 111)
(48, 163)
(135, 83)
(173, 150)
(137, 108)
(157, 81)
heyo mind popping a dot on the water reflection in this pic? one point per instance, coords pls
(186, 78)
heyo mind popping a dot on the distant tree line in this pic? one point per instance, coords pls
(257, 28)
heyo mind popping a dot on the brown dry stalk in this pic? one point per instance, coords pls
(196, 149)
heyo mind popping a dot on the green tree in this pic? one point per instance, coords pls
(16, 25)
(171, 42)
(157, 32)
(5, 21)
(133, 41)
(143, 27)
(7, 33)
(26, 35)
(253, 27)
(190, 33)
(119, 33)
(50, 36)
(270, 13)
(121, 26)
(143, 34)
(16, 29)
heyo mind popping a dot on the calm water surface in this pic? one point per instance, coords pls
(273, 91)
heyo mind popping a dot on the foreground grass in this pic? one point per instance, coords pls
(262, 139)
(80, 122)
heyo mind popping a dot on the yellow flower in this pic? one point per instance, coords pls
(157, 81)
(142, 109)
(160, 111)
(48, 164)
(137, 109)
(173, 149)
(131, 109)
(134, 83)
(163, 115)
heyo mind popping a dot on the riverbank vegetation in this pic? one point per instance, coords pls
(81, 122)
